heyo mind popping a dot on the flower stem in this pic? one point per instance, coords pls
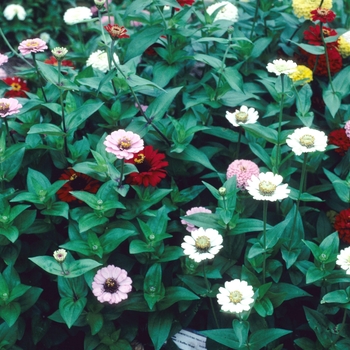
(121, 174)
(239, 142)
(8, 130)
(39, 75)
(280, 117)
(102, 29)
(108, 14)
(255, 19)
(62, 106)
(110, 58)
(264, 239)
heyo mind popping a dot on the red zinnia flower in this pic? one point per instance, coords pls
(77, 182)
(53, 61)
(18, 85)
(150, 165)
(322, 15)
(182, 3)
(342, 225)
(313, 35)
(116, 31)
(338, 138)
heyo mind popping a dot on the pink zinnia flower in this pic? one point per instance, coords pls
(123, 144)
(32, 46)
(3, 59)
(111, 284)
(3, 74)
(194, 210)
(347, 128)
(244, 170)
(9, 106)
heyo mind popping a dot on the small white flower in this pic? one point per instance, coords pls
(305, 140)
(244, 115)
(343, 260)
(267, 186)
(15, 10)
(60, 255)
(99, 60)
(77, 14)
(237, 296)
(281, 67)
(45, 37)
(227, 11)
(202, 244)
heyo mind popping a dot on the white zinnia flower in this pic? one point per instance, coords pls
(60, 255)
(15, 10)
(45, 37)
(77, 14)
(305, 140)
(244, 115)
(202, 244)
(227, 11)
(267, 186)
(237, 296)
(281, 67)
(343, 260)
(99, 60)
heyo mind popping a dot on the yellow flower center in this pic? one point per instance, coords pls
(322, 12)
(140, 158)
(16, 86)
(4, 107)
(241, 117)
(32, 44)
(235, 297)
(124, 143)
(267, 188)
(202, 243)
(73, 177)
(307, 141)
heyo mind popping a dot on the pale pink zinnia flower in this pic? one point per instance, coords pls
(3, 74)
(3, 59)
(244, 170)
(9, 106)
(111, 284)
(194, 210)
(32, 46)
(347, 129)
(123, 144)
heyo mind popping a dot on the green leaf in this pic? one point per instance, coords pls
(91, 220)
(259, 46)
(152, 285)
(262, 337)
(47, 129)
(332, 100)
(159, 325)
(57, 209)
(11, 233)
(10, 313)
(341, 187)
(95, 321)
(10, 166)
(114, 237)
(224, 336)
(236, 98)
(137, 246)
(337, 296)
(173, 295)
(71, 309)
(264, 132)
(79, 267)
(315, 50)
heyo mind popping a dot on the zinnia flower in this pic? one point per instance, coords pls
(111, 284)
(124, 144)
(280, 66)
(182, 3)
(243, 170)
(190, 227)
(3, 59)
(237, 296)
(305, 140)
(9, 106)
(344, 44)
(313, 35)
(303, 8)
(150, 165)
(323, 15)
(64, 63)
(59, 52)
(339, 138)
(15, 10)
(3, 74)
(116, 32)
(267, 186)
(244, 115)
(227, 11)
(60, 255)
(343, 260)
(202, 244)
(32, 46)
(76, 182)
(302, 74)
(347, 128)
(18, 85)
(99, 60)
(342, 225)
(77, 15)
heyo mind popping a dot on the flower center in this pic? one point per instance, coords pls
(32, 44)
(242, 117)
(307, 141)
(140, 158)
(4, 107)
(242, 168)
(322, 12)
(110, 286)
(73, 177)
(267, 188)
(202, 243)
(235, 297)
(16, 86)
(124, 143)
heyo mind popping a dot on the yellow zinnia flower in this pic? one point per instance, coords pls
(344, 44)
(302, 8)
(302, 73)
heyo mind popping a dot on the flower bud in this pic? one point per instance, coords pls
(99, 3)
(60, 255)
(222, 191)
(59, 52)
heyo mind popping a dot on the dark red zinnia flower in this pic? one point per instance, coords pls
(150, 165)
(116, 32)
(338, 138)
(313, 35)
(182, 3)
(322, 15)
(76, 182)
(342, 225)
(19, 86)
(53, 61)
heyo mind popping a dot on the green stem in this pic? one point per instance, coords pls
(108, 14)
(62, 269)
(39, 76)
(211, 302)
(239, 142)
(255, 19)
(62, 107)
(80, 34)
(110, 58)
(280, 117)
(264, 239)
(101, 25)
(121, 174)
(8, 131)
